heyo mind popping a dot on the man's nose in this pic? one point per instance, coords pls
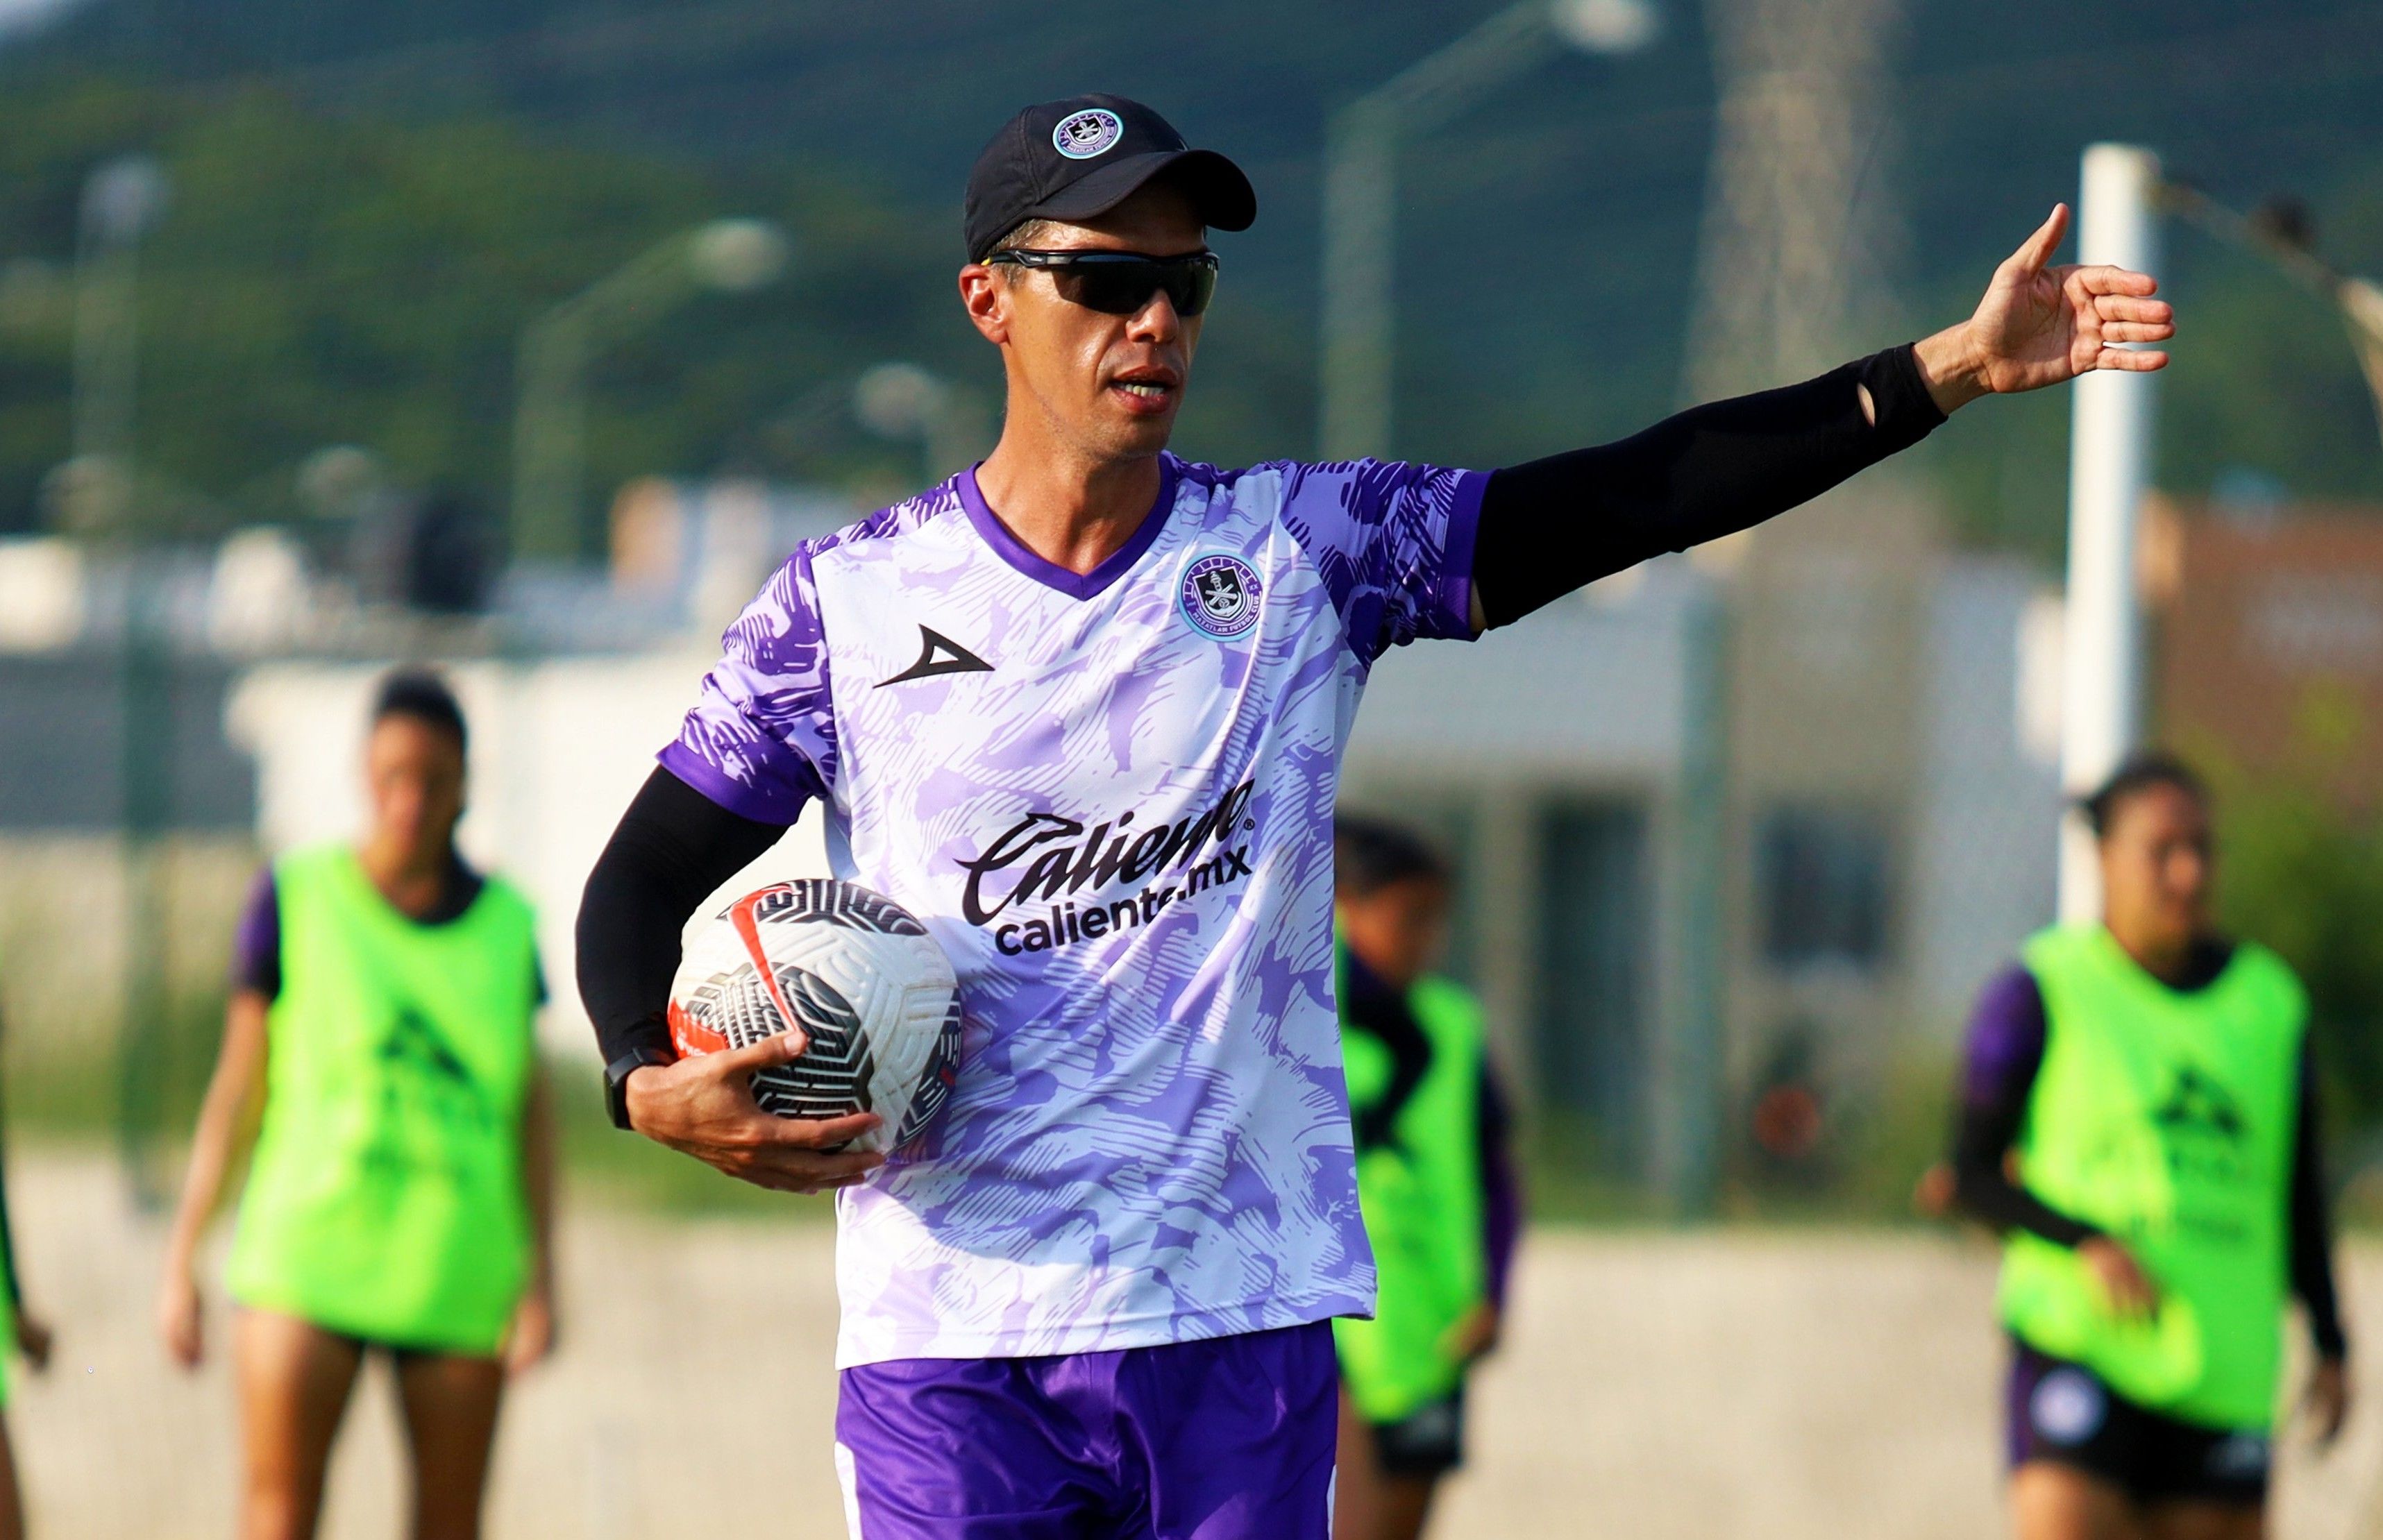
(1157, 321)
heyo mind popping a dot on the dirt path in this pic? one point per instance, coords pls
(1779, 1387)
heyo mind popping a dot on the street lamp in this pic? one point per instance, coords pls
(903, 400)
(2279, 231)
(1360, 188)
(730, 257)
(122, 200)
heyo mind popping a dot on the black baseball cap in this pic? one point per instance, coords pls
(1084, 157)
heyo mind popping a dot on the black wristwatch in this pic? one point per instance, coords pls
(616, 1080)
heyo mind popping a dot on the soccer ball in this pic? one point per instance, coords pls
(857, 974)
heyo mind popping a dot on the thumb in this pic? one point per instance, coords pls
(2037, 249)
(770, 1052)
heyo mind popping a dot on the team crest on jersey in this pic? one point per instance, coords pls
(1082, 135)
(1219, 595)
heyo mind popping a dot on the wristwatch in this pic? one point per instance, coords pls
(616, 1080)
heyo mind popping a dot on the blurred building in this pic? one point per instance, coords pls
(1885, 799)
(2270, 621)
(165, 714)
(1726, 829)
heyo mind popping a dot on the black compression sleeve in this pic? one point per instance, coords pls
(2311, 1227)
(673, 847)
(1552, 525)
(8, 1248)
(2006, 1040)
(1982, 1187)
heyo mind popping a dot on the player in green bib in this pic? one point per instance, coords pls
(2139, 1121)
(380, 1047)
(1433, 1178)
(28, 1336)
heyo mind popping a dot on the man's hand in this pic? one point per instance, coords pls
(2125, 1285)
(2039, 326)
(2326, 1405)
(704, 1107)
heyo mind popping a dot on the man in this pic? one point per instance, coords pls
(2149, 1077)
(1080, 709)
(1435, 1179)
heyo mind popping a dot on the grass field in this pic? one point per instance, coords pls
(1782, 1385)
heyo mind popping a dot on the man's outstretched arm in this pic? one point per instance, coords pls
(1552, 525)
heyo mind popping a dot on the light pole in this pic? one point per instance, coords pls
(2283, 240)
(1362, 144)
(2109, 465)
(550, 411)
(2110, 452)
(122, 201)
(903, 400)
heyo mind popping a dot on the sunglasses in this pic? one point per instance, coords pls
(1120, 283)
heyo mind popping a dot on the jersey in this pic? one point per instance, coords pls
(1109, 797)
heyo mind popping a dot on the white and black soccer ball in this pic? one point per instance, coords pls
(861, 979)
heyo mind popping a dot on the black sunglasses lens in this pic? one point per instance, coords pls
(1111, 288)
(1123, 288)
(1191, 288)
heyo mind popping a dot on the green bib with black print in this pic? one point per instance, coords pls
(2166, 1119)
(385, 1198)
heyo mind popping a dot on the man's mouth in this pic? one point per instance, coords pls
(1149, 391)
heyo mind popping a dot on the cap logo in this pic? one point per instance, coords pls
(1082, 135)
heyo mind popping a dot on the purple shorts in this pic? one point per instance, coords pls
(1227, 1439)
(2061, 1413)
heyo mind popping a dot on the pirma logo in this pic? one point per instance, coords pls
(1219, 595)
(1082, 135)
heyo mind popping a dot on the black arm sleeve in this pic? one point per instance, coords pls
(673, 847)
(2311, 1227)
(2006, 1052)
(8, 1242)
(1984, 1189)
(1552, 525)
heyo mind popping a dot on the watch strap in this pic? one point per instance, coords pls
(616, 1080)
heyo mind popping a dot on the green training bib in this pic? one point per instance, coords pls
(1421, 1198)
(2166, 1120)
(385, 1196)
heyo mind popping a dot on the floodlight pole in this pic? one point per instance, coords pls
(551, 403)
(1362, 143)
(2360, 302)
(121, 201)
(2109, 467)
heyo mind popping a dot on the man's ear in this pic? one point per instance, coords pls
(987, 300)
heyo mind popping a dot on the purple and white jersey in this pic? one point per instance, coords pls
(1110, 798)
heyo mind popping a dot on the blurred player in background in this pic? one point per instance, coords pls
(1434, 1176)
(30, 1336)
(2138, 1119)
(380, 1046)
(1081, 709)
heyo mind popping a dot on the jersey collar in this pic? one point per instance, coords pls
(1077, 585)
